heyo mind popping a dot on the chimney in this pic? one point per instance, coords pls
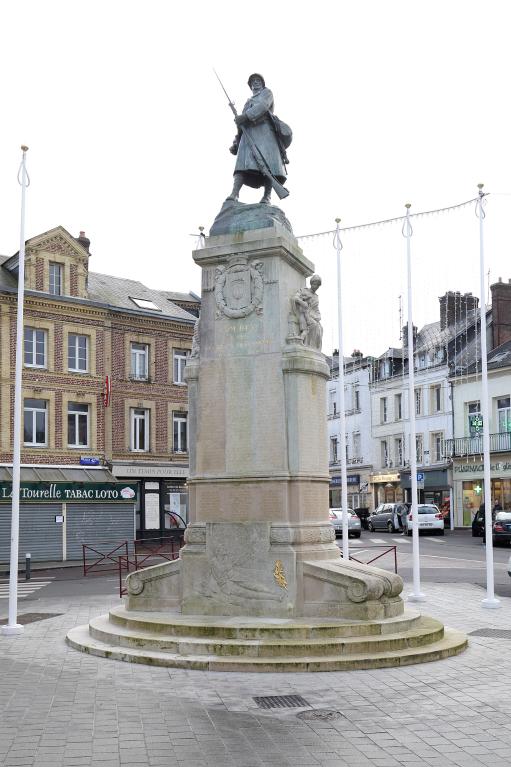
(84, 241)
(454, 308)
(501, 312)
(357, 354)
(404, 334)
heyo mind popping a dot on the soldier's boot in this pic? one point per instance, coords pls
(238, 183)
(267, 193)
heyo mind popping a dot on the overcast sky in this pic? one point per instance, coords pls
(389, 102)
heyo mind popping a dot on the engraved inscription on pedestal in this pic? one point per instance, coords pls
(239, 288)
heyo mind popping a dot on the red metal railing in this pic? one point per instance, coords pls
(99, 560)
(387, 550)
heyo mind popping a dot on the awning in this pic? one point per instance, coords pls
(54, 474)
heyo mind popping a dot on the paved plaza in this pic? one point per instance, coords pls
(61, 708)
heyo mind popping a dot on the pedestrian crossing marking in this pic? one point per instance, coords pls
(377, 540)
(404, 539)
(437, 540)
(25, 588)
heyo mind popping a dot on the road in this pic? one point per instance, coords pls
(453, 558)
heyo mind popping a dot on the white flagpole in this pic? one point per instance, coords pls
(13, 627)
(342, 409)
(490, 600)
(416, 595)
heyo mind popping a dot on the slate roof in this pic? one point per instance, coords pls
(118, 291)
(500, 357)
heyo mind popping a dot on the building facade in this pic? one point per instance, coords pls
(103, 382)
(466, 448)
(357, 376)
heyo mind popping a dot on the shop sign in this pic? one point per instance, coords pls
(70, 491)
(150, 471)
(478, 468)
(351, 479)
(385, 478)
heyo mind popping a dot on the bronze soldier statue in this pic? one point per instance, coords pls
(260, 144)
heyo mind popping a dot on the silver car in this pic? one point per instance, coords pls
(354, 526)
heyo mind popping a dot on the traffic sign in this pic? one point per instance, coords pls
(420, 480)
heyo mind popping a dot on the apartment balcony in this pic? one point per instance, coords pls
(463, 446)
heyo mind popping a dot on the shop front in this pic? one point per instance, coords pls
(437, 486)
(358, 495)
(162, 504)
(63, 508)
(469, 486)
(386, 488)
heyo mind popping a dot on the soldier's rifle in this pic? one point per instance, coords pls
(260, 159)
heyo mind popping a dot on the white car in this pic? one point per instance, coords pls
(430, 518)
(354, 526)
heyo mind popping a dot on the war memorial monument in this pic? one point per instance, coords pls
(260, 584)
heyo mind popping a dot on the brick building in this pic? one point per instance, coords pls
(80, 330)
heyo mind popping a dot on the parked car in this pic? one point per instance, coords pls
(384, 517)
(502, 527)
(430, 519)
(478, 524)
(354, 525)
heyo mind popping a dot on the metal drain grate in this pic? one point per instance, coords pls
(30, 618)
(281, 701)
(493, 633)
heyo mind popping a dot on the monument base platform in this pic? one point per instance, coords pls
(210, 643)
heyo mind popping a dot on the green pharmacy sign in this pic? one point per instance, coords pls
(476, 424)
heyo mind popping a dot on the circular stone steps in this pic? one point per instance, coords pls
(252, 644)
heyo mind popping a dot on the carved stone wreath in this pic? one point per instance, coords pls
(239, 288)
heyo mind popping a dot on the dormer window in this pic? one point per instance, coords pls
(55, 279)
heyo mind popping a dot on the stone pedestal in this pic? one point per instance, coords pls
(258, 464)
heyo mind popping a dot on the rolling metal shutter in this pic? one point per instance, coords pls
(98, 523)
(39, 533)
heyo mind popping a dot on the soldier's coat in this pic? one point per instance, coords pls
(261, 130)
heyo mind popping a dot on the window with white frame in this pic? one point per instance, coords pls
(356, 445)
(139, 430)
(139, 361)
(475, 419)
(356, 398)
(437, 446)
(180, 429)
(56, 272)
(384, 453)
(77, 353)
(436, 398)
(398, 451)
(180, 356)
(77, 425)
(383, 409)
(418, 401)
(398, 407)
(35, 422)
(333, 449)
(332, 402)
(419, 448)
(504, 414)
(34, 347)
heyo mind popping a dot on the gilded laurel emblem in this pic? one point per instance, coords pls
(279, 575)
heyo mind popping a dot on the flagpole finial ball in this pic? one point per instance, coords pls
(24, 148)
(337, 220)
(408, 205)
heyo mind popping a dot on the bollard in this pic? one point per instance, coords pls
(28, 562)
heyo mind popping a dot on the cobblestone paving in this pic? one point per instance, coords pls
(61, 708)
